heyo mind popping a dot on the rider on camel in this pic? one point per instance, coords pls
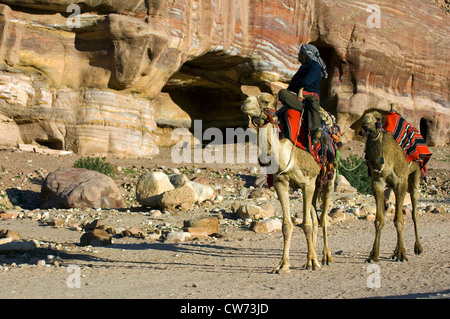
(308, 78)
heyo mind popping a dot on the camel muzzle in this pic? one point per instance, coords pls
(377, 165)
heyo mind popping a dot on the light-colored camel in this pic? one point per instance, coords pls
(298, 169)
(389, 167)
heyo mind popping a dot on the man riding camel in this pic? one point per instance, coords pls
(308, 78)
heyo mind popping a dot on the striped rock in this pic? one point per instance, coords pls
(94, 88)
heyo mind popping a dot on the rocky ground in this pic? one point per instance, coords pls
(236, 262)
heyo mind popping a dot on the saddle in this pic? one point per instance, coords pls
(326, 152)
(409, 138)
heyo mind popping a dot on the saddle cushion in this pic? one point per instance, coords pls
(289, 128)
(409, 138)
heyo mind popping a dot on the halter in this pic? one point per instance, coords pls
(380, 130)
(271, 116)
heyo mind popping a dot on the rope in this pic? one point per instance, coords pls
(349, 169)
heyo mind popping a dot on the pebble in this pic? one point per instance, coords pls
(177, 236)
(41, 263)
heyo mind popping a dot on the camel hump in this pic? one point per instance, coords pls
(250, 90)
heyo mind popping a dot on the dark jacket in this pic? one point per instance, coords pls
(307, 77)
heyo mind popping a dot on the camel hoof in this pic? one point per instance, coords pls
(399, 254)
(327, 260)
(372, 258)
(281, 270)
(313, 264)
(418, 249)
(400, 257)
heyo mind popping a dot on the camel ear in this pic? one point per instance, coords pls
(356, 126)
(250, 90)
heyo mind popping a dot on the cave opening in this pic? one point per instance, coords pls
(53, 144)
(208, 88)
(424, 128)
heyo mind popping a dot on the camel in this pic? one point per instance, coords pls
(298, 169)
(389, 167)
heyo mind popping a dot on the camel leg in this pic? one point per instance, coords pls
(315, 197)
(400, 252)
(314, 217)
(282, 188)
(378, 192)
(414, 184)
(326, 198)
(315, 226)
(308, 226)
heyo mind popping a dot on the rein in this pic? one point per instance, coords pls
(271, 117)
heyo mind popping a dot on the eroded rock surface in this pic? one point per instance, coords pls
(102, 86)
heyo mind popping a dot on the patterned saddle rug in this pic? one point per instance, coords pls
(409, 138)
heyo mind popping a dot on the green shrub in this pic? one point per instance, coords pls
(355, 170)
(98, 164)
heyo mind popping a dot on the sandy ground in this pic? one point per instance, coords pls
(237, 265)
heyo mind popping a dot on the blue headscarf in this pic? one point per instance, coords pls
(313, 54)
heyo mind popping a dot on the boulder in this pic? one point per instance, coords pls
(56, 222)
(5, 240)
(178, 180)
(266, 226)
(96, 223)
(177, 237)
(368, 210)
(262, 194)
(9, 214)
(338, 215)
(390, 197)
(96, 237)
(183, 197)
(342, 185)
(200, 185)
(204, 191)
(256, 211)
(150, 188)
(196, 232)
(6, 233)
(134, 231)
(209, 224)
(78, 188)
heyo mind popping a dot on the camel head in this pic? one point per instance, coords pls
(254, 105)
(374, 147)
(370, 120)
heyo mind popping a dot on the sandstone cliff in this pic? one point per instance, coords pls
(111, 80)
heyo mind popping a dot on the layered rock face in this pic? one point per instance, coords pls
(111, 80)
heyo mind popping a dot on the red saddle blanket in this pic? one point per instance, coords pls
(409, 138)
(289, 128)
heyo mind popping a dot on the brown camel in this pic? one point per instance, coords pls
(298, 169)
(389, 167)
